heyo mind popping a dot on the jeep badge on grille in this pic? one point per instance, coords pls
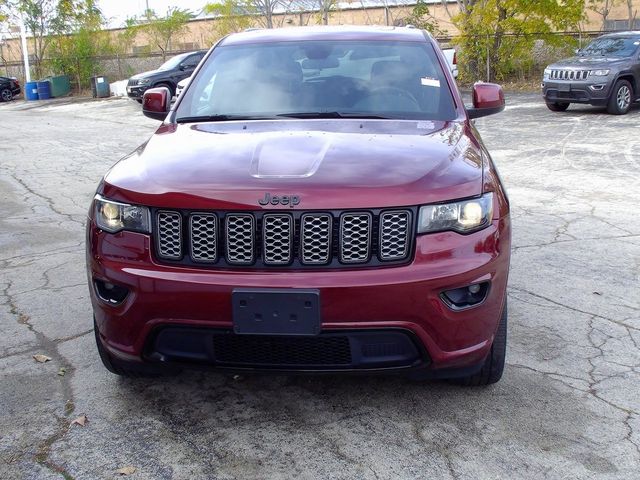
(291, 200)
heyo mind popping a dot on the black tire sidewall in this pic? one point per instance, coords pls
(557, 106)
(2, 92)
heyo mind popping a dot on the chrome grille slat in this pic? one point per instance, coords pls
(240, 238)
(315, 238)
(394, 234)
(569, 74)
(277, 238)
(169, 234)
(203, 229)
(355, 237)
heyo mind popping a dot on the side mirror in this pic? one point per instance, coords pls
(578, 51)
(488, 99)
(156, 103)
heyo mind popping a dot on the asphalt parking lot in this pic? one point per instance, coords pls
(567, 407)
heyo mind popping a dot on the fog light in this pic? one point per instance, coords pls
(110, 293)
(465, 297)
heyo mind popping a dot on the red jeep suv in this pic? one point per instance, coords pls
(317, 200)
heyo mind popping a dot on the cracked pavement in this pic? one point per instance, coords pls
(567, 407)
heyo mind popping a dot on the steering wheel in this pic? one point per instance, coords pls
(397, 92)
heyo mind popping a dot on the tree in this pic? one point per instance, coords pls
(501, 33)
(324, 7)
(161, 30)
(632, 14)
(602, 8)
(231, 17)
(421, 17)
(265, 10)
(76, 51)
(40, 19)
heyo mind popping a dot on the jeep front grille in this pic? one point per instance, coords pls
(240, 237)
(277, 232)
(315, 238)
(285, 239)
(394, 231)
(204, 237)
(170, 235)
(569, 74)
(355, 237)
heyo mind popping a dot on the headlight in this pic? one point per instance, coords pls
(599, 73)
(144, 81)
(463, 217)
(114, 216)
(547, 72)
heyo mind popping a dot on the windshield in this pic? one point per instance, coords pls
(369, 79)
(612, 46)
(173, 62)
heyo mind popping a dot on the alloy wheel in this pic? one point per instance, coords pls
(6, 95)
(623, 97)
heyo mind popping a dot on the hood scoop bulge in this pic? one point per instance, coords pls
(294, 155)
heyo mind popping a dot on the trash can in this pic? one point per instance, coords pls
(31, 90)
(44, 90)
(100, 87)
(60, 85)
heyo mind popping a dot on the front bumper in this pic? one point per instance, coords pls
(593, 92)
(354, 302)
(137, 92)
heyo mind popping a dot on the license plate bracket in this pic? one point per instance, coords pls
(564, 87)
(276, 311)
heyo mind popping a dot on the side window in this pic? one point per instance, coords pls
(192, 61)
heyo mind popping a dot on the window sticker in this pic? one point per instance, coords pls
(430, 82)
(426, 125)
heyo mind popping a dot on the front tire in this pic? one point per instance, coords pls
(6, 95)
(491, 371)
(557, 106)
(172, 91)
(621, 98)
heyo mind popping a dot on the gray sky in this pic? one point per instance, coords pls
(117, 11)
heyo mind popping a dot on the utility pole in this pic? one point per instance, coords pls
(25, 51)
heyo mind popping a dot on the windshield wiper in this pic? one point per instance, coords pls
(220, 118)
(321, 115)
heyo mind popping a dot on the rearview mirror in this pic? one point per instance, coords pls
(488, 99)
(156, 103)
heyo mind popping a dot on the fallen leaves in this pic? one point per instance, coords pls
(81, 420)
(41, 358)
(126, 471)
(62, 371)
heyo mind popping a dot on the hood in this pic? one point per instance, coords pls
(150, 73)
(328, 164)
(588, 62)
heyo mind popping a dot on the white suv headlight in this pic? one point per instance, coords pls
(599, 73)
(115, 216)
(463, 216)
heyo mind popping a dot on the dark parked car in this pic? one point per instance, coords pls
(167, 75)
(606, 73)
(9, 88)
(316, 200)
